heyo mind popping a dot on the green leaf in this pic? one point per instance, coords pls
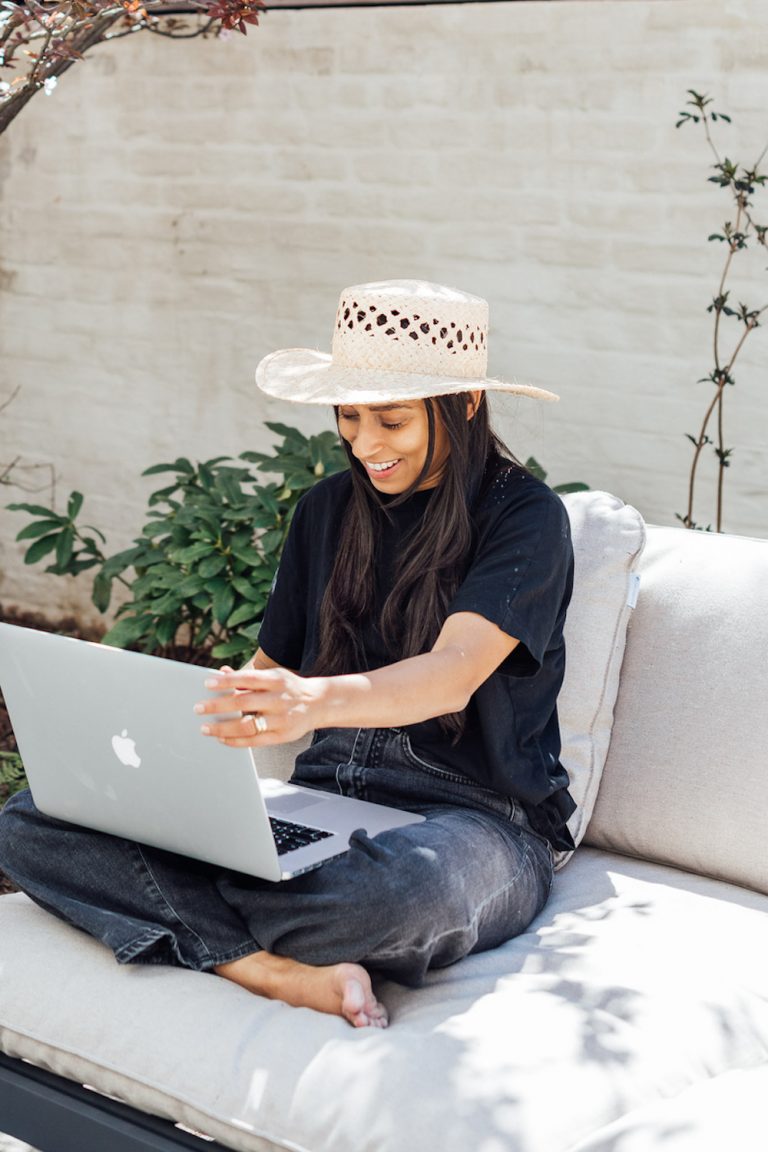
(223, 601)
(267, 497)
(206, 477)
(228, 483)
(167, 603)
(244, 614)
(38, 528)
(247, 554)
(190, 585)
(246, 589)
(191, 554)
(122, 560)
(166, 631)
(126, 631)
(89, 543)
(263, 518)
(212, 566)
(156, 528)
(270, 541)
(252, 632)
(535, 468)
(297, 482)
(232, 648)
(101, 593)
(575, 486)
(180, 465)
(41, 548)
(290, 435)
(199, 518)
(74, 504)
(163, 496)
(64, 546)
(36, 510)
(77, 565)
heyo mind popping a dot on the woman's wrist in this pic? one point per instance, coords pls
(334, 699)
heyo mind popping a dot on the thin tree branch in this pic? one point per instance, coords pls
(180, 35)
(11, 398)
(721, 463)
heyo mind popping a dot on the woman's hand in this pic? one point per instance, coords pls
(276, 706)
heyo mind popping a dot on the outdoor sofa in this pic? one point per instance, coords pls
(631, 1016)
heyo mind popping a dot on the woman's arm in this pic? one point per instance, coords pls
(468, 649)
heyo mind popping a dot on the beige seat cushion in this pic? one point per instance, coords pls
(685, 780)
(636, 984)
(727, 1111)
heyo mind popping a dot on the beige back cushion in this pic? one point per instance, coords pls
(608, 538)
(685, 778)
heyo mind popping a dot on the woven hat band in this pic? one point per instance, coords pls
(399, 331)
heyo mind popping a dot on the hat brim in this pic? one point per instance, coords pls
(304, 376)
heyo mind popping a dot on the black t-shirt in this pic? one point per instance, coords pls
(519, 577)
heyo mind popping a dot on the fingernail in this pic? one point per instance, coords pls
(199, 708)
(206, 731)
(212, 683)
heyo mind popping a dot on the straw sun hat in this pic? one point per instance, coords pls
(394, 340)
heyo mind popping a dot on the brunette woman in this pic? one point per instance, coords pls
(416, 628)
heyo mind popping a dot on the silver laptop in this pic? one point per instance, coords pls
(109, 740)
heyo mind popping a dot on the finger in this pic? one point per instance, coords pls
(243, 728)
(265, 741)
(220, 705)
(247, 678)
(261, 741)
(245, 702)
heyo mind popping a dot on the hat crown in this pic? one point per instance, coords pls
(412, 326)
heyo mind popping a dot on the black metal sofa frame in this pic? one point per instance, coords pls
(58, 1115)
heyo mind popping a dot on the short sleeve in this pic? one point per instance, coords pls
(521, 575)
(283, 629)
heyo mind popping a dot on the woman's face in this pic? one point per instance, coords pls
(391, 440)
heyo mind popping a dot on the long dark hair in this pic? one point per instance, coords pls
(432, 561)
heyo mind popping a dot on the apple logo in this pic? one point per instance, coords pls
(125, 750)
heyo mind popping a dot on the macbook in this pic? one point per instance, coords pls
(109, 740)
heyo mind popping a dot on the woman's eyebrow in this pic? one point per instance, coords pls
(388, 407)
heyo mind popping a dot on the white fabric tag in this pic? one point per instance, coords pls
(633, 589)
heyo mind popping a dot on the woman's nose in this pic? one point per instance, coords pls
(366, 440)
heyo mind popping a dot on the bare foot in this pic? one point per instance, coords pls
(339, 989)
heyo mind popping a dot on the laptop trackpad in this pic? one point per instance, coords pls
(284, 805)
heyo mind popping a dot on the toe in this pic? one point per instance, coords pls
(353, 1001)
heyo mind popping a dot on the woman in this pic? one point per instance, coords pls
(415, 627)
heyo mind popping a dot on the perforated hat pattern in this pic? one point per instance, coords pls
(397, 332)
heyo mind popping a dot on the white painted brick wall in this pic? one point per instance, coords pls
(174, 211)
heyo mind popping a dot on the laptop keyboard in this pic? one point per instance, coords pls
(289, 836)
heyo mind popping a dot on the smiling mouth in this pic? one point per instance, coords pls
(381, 469)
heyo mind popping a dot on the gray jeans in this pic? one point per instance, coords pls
(470, 877)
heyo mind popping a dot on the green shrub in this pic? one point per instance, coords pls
(12, 778)
(536, 470)
(201, 570)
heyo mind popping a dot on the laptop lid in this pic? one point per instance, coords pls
(109, 740)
